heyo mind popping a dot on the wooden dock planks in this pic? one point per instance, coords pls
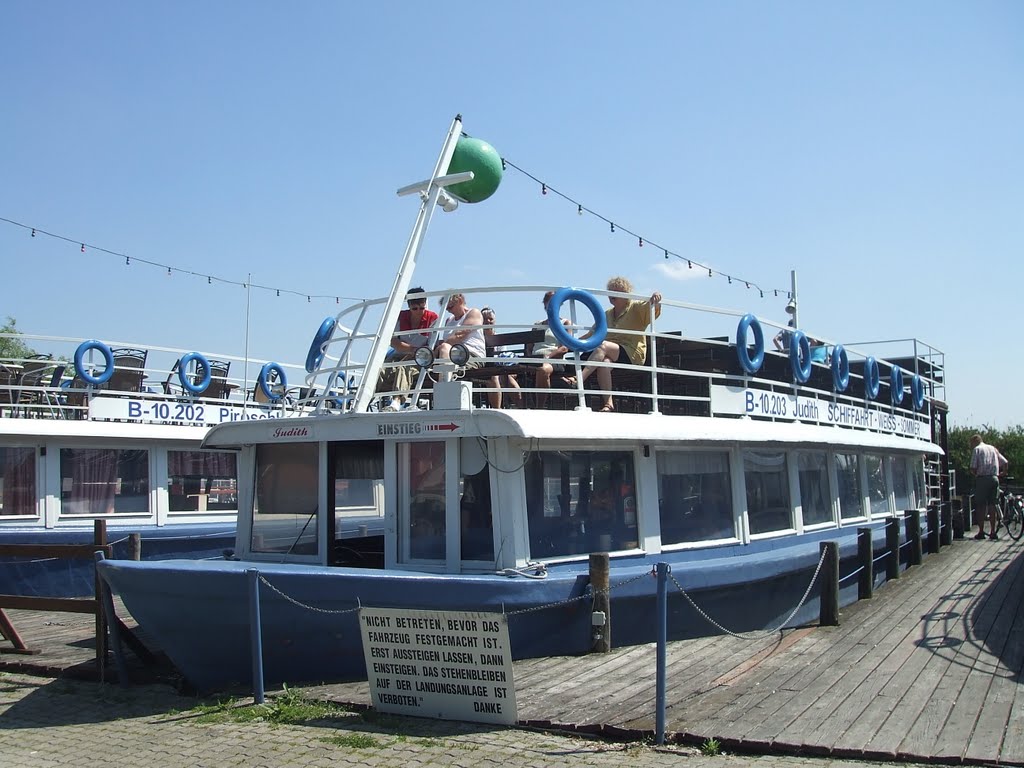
(930, 669)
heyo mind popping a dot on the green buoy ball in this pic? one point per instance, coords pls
(480, 158)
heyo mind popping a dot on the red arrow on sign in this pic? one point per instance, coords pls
(448, 427)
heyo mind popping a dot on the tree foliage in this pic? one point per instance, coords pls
(1010, 443)
(11, 346)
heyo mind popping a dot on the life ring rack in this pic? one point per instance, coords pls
(264, 380)
(316, 353)
(800, 356)
(565, 338)
(195, 387)
(108, 360)
(750, 364)
(840, 368)
(871, 381)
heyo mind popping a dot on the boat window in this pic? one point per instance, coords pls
(695, 496)
(358, 480)
(878, 494)
(580, 501)
(815, 496)
(202, 481)
(767, 482)
(18, 481)
(101, 481)
(286, 499)
(475, 509)
(424, 498)
(900, 481)
(851, 498)
(917, 474)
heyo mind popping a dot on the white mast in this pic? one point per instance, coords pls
(431, 191)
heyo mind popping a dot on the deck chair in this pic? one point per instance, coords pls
(8, 388)
(129, 368)
(219, 388)
(35, 371)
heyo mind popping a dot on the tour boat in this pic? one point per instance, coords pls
(93, 430)
(729, 462)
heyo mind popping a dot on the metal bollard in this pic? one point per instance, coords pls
(256, 635)
(661, 685)
(828, 610)
(892, 543)
(866, 561)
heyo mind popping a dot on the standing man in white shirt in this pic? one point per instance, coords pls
(987, 464)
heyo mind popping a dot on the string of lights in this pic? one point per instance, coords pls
(171, 270)
(642, 241)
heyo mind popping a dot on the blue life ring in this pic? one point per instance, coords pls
(264, 381)
(108, 361)
(750, 364)
(840, 368)
(871, 382)
(800, 357)
(896, 385)
(183, 377)
(563, 336)
(917, 391)
(315, 356)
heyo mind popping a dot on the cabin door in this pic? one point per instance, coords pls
(422, 502)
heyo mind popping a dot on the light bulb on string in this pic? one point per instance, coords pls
(127, 261)
(33, 231)
(209, 280)
(278, 291)
(689, 264)
(640, 241)
(543, 189)
(730, 279)
(579, 209)
(613, 225)
(709, 272)
(666, 253)
(83, 247)
(168, 271)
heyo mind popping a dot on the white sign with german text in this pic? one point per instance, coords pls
(189, 414)
(452, 665)
(786, 407)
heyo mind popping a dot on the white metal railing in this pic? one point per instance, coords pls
(698, 329)
(45, 383)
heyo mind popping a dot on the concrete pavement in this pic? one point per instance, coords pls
(48, 722)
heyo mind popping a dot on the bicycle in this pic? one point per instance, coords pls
(1011, 512)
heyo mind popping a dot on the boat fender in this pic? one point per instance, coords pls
(749, 364)
(599, 331)
(871, 381)
(840, 368)
(917, 391)
(315, 356)
(108, 361)
(896, 385)
(800, 357)
(195, 387)
(264, 381)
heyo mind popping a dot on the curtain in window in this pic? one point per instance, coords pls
(19, 473)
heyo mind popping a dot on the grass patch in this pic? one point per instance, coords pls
(711, 747)
(288, 708)
(353, 741)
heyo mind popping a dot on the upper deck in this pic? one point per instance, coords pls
(693, 368)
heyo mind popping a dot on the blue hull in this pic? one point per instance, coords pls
(49, 577)
(198, 612)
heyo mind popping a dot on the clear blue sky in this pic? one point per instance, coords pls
(876, 148)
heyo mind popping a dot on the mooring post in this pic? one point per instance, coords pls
(965, 506)
(912, 521)
(99, 538)
(946, 522)
(601, 618)
(934, 539)
(866, 561)
(107, 608)
(135, 546)
(256, 635)
(661, 684)
(892, 543)
(828, 611)
(959, 521)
